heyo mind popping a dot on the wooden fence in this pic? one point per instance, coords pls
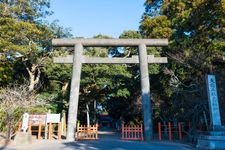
(130, 132)
(39, 130)
(85, 132)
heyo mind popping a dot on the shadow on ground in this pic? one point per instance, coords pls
(6, 143)
(125, 145)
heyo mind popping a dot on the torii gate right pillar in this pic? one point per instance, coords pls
(145, 93)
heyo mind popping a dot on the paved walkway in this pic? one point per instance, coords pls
(104, 144)
(108, 140)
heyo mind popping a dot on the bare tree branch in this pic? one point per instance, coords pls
(16, 98)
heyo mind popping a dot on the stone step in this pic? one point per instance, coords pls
(211, 142)
(213, 133)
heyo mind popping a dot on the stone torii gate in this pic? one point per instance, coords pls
(77, 59)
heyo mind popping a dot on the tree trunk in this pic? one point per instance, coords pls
(5, 9)
(34, 76)
(88, 118)
(95, 105)
(9, 126)
(64, 87)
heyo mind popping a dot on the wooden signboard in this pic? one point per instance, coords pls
(37, 119)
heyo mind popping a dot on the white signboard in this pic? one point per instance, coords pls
(53, 118)
(25, 122)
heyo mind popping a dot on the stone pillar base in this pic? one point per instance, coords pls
(211, 140)
(22, 138)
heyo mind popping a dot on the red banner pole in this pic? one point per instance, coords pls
(180, 130)
(159, 131)
(170, 131)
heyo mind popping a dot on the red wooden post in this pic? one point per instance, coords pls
(125, 131)
(128, 131)
(132, 131)
(159, 131)
(170, 131)
(180, 130)
(142, 138)
(122, 131)
(189, 126)
(135, 131)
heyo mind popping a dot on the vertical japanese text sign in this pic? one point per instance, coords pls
(213, 101)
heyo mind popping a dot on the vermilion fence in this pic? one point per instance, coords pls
(134, 132)
(85, 132)
(172, 129)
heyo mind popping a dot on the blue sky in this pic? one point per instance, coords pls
(88, 18)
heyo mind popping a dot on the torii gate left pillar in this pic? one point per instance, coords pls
(78, 59)
(74, 92)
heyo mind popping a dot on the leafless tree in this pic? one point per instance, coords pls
(14, 99)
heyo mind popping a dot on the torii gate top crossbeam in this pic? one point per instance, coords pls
(109, 42)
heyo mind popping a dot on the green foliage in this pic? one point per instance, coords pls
(130, 34)
(61, 73)
(59, 31)
(196, 32)
(157, 27)
(24, 36)
(30, 10)
(19, 36)
(5, 72)
(24, 49)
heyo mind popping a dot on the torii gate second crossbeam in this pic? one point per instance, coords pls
(78, 59)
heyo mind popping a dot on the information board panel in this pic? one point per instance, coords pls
(53, 118)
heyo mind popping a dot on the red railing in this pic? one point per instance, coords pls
(171, 129)
(130, 132)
